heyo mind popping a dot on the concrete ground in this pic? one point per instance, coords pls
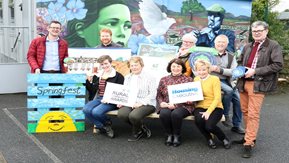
(16, 145)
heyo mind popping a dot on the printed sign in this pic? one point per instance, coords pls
(181, 93)
(119, 94)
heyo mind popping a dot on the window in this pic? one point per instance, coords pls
(1, 11)
(11, 11)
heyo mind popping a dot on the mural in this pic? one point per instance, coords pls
(148, 21)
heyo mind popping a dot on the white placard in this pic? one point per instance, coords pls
(181, 93)
(119, 94)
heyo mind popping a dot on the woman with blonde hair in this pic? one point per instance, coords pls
(209, 111)
(143, 85)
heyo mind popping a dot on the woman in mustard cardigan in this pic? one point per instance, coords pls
(209, 111)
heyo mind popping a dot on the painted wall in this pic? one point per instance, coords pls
(147, 21)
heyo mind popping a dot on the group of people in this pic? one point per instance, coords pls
(262, 58)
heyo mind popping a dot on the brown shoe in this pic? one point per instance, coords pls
(247, 153)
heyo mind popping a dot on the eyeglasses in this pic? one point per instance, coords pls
(258, 31)
(58, 28)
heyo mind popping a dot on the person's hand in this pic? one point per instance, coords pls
(250, 72)
(206, 30)
(205, 115)
(164, 105)
(37, 71)
(189, 102)
(89, 78)
(136, 105)
(119, 105)
(215, 68)
(104, 101)
(171, 106)
(167, 105)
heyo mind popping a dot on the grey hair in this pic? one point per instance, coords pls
(222, 36)
(260, 23)
(190, 36)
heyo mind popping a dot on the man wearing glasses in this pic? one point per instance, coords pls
(46, 54)
(263, 60)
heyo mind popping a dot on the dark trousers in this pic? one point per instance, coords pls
(209, 126)
(172, 119)
(135, 116)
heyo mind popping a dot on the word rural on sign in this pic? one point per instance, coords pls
(119, 94)
(185, 92)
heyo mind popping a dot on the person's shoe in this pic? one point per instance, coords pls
(242, 141)
(136, 136)
(227, 144)
(227, 122)
(238, 130)
(108, 130)
(247, 153)
(146, 131)
(177, 140)
(169, 140)
(212, 144)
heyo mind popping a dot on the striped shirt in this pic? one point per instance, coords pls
(101, 87)
(144, 85)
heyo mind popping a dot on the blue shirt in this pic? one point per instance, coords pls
(51, 60)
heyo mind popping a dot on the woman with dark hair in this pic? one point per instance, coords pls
(112, 14)
(172, 115)
(96, 109)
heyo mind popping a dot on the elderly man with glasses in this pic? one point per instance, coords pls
(263, 60)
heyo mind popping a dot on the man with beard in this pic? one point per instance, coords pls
(105, 35)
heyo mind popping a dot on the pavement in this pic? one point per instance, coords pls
(16, 145)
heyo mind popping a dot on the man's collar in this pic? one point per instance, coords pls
(109, 44)
(222, 54)
(47, 39)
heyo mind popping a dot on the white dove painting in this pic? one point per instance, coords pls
(155, 21)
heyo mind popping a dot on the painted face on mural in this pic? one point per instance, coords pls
(118, 22)
(214, 21)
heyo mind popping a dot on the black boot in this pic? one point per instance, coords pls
(212, 144)
(177, 140)
(226, 143)
(169, 140)
(108, 130)
(147, 131)
(136, 136)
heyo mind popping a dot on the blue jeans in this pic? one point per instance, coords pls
(96, 111)
(231, 95)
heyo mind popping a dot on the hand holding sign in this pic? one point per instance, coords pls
(182, 93)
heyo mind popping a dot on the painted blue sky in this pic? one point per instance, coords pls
(236, 7)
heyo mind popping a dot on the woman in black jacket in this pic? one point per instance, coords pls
(96, 109)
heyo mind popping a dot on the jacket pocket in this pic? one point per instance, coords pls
(266, 84)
